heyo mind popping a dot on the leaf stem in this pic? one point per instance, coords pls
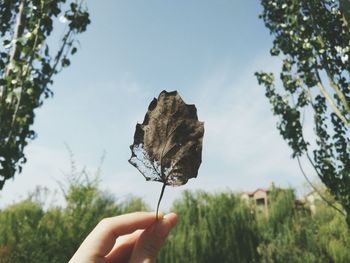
(160, 198)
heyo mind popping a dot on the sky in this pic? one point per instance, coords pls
(206, 50)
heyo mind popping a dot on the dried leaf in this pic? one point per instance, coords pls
(168, 144)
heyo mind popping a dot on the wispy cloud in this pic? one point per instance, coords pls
(241, 133)
(44, 166)
(242, 149)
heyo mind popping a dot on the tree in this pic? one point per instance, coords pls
(213, 228)
(345, 9)
(313, 39)
(34, 230)
(27, 66)
(292, 233)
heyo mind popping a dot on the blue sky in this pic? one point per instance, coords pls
(208, 51)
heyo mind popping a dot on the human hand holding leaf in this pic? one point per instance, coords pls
(168, 144)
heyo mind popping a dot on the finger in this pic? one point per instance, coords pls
(123, 247)
(102, 239)
(152, 239)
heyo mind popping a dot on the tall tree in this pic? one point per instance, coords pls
(313, 39)
(213, 228)
(27, 66)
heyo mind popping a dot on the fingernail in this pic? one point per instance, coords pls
(172, 218)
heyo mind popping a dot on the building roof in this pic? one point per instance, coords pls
(257, 190)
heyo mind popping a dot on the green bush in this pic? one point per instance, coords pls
(292, 234)
(212, 228)
(29, 232)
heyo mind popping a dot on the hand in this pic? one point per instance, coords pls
(135, 237)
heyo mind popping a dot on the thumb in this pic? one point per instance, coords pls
(152, 239)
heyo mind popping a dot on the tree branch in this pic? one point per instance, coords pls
(331, 101)
(314, 187)
(18, 32)
(345, 9)
(338, 92)
(25, 73)
(314, 167)
(15, 50)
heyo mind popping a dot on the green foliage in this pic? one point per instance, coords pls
(29, 232)
(333, 235)
(313, 39)
(27, 66)
(222, 228)
(212, 228)
(344, 7)
(292, 234)
(285, 236)
(19, 221)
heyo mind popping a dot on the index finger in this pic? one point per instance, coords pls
(102, 239)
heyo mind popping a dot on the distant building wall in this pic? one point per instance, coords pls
(259, 198)
(312, 198)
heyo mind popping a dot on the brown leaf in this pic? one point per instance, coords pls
(168, 144)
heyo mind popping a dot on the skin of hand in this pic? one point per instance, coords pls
(135, 237)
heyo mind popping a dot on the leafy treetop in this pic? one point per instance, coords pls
(312, 37)
(27, 66)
